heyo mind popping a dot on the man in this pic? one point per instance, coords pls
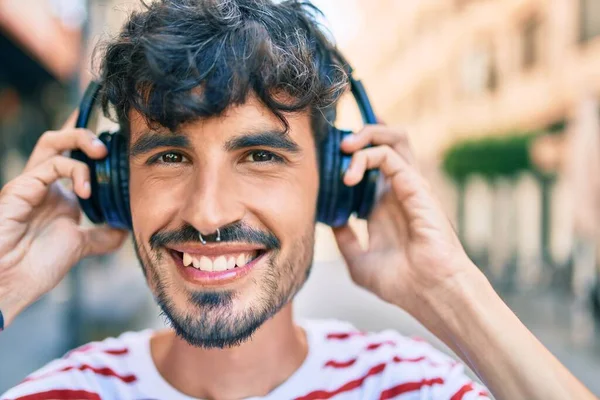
(224, 104)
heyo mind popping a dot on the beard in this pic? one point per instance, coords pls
(209, 318)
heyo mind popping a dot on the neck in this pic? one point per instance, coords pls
(254, 368)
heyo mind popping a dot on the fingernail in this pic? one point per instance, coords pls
(350, 138)
(86, 186)
(97, 143)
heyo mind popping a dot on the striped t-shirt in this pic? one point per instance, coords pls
(343, 363)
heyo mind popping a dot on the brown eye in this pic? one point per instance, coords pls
(170, 158)
(263, 156)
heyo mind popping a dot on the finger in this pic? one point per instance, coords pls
(375, 135)
(33, 185)
(380, 135)
(347, 242)
(408, 186)
(349, 245)
(70, 122)
(381, 157)
(53, 143)
(102, 239)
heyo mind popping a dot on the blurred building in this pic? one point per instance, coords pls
(458, 68)
(40, 44)
(448, 70)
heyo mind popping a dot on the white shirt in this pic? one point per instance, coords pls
(342, 364)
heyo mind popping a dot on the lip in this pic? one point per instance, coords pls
(215, 250)
(214, 278)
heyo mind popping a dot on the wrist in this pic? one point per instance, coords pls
(450, 308)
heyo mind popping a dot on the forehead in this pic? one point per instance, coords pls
(251, 114)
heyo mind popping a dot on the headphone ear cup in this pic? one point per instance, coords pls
(335, 202)
(326, 161)
(105, 173)
(119, 179)
(124, 179)
(91, 206)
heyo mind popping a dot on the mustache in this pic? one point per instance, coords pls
(234, 233)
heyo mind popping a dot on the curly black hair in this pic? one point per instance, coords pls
(180, 60)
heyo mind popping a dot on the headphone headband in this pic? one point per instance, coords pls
(356, 88)
(109, 201)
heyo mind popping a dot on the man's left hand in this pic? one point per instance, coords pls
(413, 250)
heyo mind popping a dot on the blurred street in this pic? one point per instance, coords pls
(500, 100)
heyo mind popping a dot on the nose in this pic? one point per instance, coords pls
(212, 201)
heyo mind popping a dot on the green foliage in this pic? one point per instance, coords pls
(491, 157)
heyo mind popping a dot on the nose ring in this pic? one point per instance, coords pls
(217, 238)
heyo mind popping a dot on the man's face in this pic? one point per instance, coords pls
(238, 173)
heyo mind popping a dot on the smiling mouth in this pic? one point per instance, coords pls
(217, 263)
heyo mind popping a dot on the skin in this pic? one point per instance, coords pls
(427, 272)
(211, 187)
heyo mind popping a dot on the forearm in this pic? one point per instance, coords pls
(471, 319)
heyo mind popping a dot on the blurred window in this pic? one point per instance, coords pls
(460, 5)
(589, 19)
(479, 73)
(530, 42)
(426, 99)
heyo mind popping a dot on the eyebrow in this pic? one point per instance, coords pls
(152, 140)
(270, 138)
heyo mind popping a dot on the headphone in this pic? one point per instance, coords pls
(109, 200)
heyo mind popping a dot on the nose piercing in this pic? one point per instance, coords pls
(217, 239)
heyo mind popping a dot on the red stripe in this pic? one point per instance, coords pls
(343, 335)
(324, 394)
(462, 391)
(117, 352)
(397, 359)
(375, 346)
(340, 364)
(64, 394)
(83, 348)
(418, 359)
(349, 363)
(88, 347)
(408, 387)
(84, 367)
(483, 393)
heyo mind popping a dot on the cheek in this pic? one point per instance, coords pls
(152, 205)
(288, 204)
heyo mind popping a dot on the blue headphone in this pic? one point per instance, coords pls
(109, 201)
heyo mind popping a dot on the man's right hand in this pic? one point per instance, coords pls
(40, 233)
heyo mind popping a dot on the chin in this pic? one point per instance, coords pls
(219, 318)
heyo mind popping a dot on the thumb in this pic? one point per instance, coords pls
(347, 242)
(352, 252)
(103, 239)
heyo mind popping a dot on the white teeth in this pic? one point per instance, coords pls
(196, 262)
(206, 264)
(220, 264)
(241, 260)
(230, 262)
